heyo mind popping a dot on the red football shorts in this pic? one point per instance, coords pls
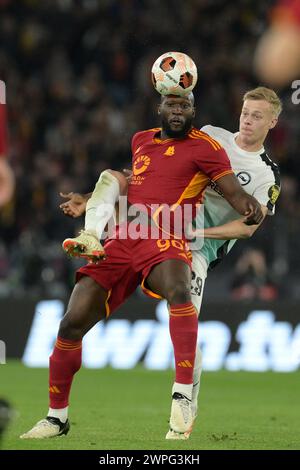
(128, 263)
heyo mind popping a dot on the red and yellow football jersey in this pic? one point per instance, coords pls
(174, 171)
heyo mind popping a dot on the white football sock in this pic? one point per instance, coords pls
(184, 389)
(196, 380)
(100, 207)
(60, 413)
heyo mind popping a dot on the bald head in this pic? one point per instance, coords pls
(190, 97)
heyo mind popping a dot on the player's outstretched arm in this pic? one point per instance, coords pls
(242, 202)
(234, 230)
(76, 204)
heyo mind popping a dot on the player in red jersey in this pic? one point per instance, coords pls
(172, 165)
(6, 175)
(277, 58)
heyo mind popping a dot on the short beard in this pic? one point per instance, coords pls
(176, 134)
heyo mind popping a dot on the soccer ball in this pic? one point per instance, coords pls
(174, 73)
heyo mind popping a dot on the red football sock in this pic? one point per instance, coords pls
(183, 331)
(64, 362)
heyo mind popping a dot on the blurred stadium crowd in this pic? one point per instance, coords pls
(78, 87)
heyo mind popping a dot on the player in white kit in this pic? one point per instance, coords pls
(258, 175)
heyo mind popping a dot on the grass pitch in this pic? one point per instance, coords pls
(129, 409)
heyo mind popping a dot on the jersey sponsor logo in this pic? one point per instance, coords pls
(170, 151)
(141, 164)
(244, 178)
(273, 193)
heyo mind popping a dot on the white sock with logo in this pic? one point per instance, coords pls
(196, 380)
(60, 413)
(100, 207)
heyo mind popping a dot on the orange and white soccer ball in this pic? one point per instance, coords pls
(174, 73)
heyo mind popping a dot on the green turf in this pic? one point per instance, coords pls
(130, 410)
